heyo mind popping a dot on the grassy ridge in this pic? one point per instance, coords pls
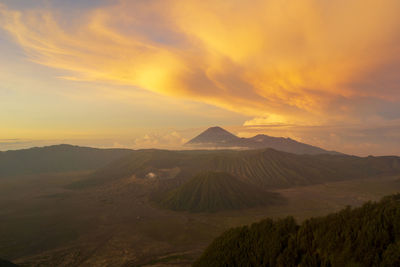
(58, 158)
(215, 191)
(267, 168)
(366, 236)
(273, 168)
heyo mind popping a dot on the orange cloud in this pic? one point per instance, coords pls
(306, 61)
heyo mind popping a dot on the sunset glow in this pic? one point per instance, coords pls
(324, 64)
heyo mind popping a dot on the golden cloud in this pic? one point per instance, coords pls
(284, 62)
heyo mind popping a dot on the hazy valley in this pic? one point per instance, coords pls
(158, 207)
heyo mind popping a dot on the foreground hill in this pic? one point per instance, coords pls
(57, 158)
(215, 191)
(265, 168)
(366, 236)
(216, 137)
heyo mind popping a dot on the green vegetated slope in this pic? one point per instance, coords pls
(6, 263)
(215, 191)
(58, 158)
(271, 168)
(267, 168)
(365, 236)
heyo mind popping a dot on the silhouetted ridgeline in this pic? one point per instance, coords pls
(216, 137)
(58, 158)
(365, 236)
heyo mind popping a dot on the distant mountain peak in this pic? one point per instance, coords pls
(213, 135)
(217, 130)
(217, 137)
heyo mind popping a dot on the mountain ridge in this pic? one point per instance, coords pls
(266, 168)
(56, 158)
(217, 137)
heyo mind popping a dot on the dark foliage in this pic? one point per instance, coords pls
(6, 263)
(365, 236)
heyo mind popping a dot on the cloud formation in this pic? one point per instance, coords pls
(307, 62)
(170, 140)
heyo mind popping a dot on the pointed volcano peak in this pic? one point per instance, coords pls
(217, 130)
(214, 135)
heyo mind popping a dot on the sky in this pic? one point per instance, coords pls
(154, 73)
